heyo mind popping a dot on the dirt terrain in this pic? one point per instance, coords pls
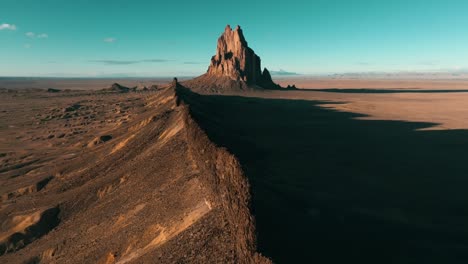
(171, 176)
(104, 177)
(32, 83)
(444, 108)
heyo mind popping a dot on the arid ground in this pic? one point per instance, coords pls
(365, 171)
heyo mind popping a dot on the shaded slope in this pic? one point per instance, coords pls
(328, 188)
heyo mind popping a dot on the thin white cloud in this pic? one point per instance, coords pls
(429, 63)
(27, 46)
(128, 62)
(33, 35)
(7, 26)
(110, 40)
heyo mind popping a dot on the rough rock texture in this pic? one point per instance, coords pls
(223, 173)
(234, 58)
(150, 188)
(234, 67)
(267, 82)
(115, 87)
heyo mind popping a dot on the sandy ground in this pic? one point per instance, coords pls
(77, 83)
(331, 169)
(446, 110)
(439, 101)
(105, 177)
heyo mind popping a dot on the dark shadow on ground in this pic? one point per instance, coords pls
(384, 91)
(328, 188)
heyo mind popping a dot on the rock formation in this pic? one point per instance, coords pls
(53, 90)
(267, 82)
(115, 87)
(234, 66)
(234, 58)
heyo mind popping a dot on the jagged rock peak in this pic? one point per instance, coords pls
(266, 81)
(175, 83)
(234, 58)
(234, 67)
(266, 73)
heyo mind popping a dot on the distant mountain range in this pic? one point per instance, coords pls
(400, 75)
(283, 73)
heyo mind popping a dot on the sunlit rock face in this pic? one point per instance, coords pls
(235, 67)
(234, 58)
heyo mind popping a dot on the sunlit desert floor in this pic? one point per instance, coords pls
(442, 102)
(439, 101)
(447, 110)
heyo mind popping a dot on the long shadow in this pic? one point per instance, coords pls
(328, 188)
(384, 91)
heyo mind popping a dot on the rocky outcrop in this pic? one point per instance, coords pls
(53, 90)
(267, 82)
(115, 87)
(223, 173)
(234, 58)
(234, 67)
(138, 88)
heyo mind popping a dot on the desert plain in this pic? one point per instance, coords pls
(377, 174)
(233, 132)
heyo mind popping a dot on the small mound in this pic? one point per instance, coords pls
(53, 90)
(99, 140)
(72, 108)
(26, 190)
(217, 84)
(140, 88)
(118, 88)
(24, 229)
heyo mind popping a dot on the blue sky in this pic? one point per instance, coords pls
(177, 38)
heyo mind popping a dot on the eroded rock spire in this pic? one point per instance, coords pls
(234, 58)
(234, 67)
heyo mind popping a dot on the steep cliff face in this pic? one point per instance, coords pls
(234, 67)
(223, 174)
(234, 58)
